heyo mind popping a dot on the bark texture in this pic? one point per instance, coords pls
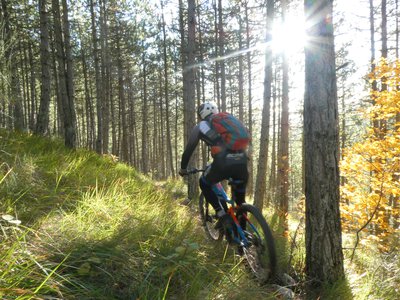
(324, 257)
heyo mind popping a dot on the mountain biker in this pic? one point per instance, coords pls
(228, 162)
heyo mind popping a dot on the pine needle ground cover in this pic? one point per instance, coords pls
(75, 225)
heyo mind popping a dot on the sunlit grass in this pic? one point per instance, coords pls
(93, 228)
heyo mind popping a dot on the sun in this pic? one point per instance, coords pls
(290, 36)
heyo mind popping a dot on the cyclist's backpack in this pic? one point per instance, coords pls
(232, 131)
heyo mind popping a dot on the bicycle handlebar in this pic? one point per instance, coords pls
(194, 171)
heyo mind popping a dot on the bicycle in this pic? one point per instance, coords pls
(251, 233)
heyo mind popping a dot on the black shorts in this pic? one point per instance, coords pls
(227, 165)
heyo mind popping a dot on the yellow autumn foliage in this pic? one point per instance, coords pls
(371, 168)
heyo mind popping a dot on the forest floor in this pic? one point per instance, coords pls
(76, 225)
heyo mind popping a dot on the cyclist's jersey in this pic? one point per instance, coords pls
(201, 131)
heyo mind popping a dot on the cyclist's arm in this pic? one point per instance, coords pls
(194, 139)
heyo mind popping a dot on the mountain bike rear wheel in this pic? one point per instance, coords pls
(260, 253)
(209, 220)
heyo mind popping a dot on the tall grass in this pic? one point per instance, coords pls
(93, 228)
(86, 227)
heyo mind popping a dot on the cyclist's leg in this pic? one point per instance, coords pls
(238, 171)
(210, 177)
(236, 168)
(239, 192)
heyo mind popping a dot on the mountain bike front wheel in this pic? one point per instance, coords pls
(259, 253)
(209, 219)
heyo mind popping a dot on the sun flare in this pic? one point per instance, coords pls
(289, 36)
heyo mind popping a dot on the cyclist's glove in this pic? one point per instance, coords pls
(183, 172)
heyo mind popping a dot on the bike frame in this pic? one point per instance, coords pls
(221, 194)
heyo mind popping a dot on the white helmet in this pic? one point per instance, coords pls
(206, 109)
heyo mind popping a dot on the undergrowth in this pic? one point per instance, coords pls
(76, 225)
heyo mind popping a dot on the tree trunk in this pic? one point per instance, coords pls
(63, 76)
(58, 112)
(90, 121)
(250, 108)
(221, 46)
(384, 38)
(324, 257)
(99, 95)
(15, 100)
(217, 92)
(188, 55)
(166, 97)
(397, 29)
(283, 158)
(145, 155)
(33, 110)
(121, 96)
(105, 76)
(260, 189)
(42, 124)
(272, 178)
(201, 97)
(241, 67)
(161, 129)
(71, 132)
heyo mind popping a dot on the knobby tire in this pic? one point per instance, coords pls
(262, 258)
(208, 219)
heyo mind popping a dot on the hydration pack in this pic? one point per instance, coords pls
(232, 131)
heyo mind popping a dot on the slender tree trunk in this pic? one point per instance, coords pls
(156, 145)
(217, 91)
(161, 141)
(15, 101)
(241, 67)
(33, 109)
(177, 112)
(188, 54)
(397, 29)
(201, 82)
(324, 257)
(121, 95)
(397, 177)
(99, 95)
(90, 121)
(145, 155)
(221, 46)
(250, 108)
(166, 97)
(58, 111)
(374, 85)
(105, 75)
(42, 124)
(64, 77)
(272, 178)
(70, 125)
(24, 75)
(260, 189)
(283, 158)
(384, 38)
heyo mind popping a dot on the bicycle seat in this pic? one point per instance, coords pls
(235, 181)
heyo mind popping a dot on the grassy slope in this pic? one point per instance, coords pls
(95, 229)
